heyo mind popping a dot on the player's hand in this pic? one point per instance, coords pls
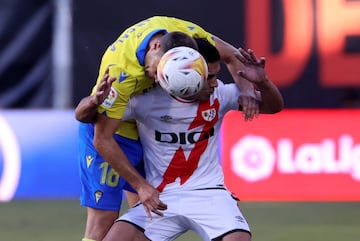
(250, 107)
(149, 197)
(254, 68)
(253, 71)
(103, 89)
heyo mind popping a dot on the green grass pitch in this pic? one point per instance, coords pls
(271, 221)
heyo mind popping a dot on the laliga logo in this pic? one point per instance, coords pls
(9, 178)
(254, 158)
(110, 99)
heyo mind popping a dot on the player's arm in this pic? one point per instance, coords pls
(108, 148)
(250, 107)
(271, 100)
(86, 110)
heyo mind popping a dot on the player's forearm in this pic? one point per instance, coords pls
(117, 159)
(271, 98)
(227, 51)
(86, 110)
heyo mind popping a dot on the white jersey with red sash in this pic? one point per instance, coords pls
(180, 139)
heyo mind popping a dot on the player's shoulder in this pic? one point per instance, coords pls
(221, 86)
(220, 83)
(143, 101)
(226, 88)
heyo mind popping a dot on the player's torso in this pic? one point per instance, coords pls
(180, 142)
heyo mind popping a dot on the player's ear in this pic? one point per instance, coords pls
(154, 46)
(157, 44)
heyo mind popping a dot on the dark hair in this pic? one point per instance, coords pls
(207, 50)
(177, 39)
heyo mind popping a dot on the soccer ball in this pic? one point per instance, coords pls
(182, 72)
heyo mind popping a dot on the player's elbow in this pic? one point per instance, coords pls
(79, 116)
(276, 108)
(273, 107)
(84, 117)
(279, 104)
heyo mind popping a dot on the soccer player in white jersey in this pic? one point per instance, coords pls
(133, 58)
(180, 143)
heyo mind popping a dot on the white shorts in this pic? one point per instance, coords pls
(211, 213)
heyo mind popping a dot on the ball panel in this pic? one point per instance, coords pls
(182, 72)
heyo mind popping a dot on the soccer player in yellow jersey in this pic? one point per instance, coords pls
(110, 153)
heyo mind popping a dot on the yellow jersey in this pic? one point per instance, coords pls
(125, 59)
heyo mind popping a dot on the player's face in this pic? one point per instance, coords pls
(152, 60)
(211, 83)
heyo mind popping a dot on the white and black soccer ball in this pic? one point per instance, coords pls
(182, 72)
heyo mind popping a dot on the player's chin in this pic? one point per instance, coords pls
(149, 73)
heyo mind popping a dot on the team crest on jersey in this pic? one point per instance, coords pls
(89, 160)
(110, 99)
(209, 115)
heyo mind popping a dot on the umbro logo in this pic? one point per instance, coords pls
(240, 219)
(165, 118)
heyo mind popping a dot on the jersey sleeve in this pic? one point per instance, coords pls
(115, 103)
(135, 108)
(129, 110)
(228, 94)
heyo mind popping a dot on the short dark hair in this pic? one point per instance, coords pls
(177, 39)
(207, 50)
